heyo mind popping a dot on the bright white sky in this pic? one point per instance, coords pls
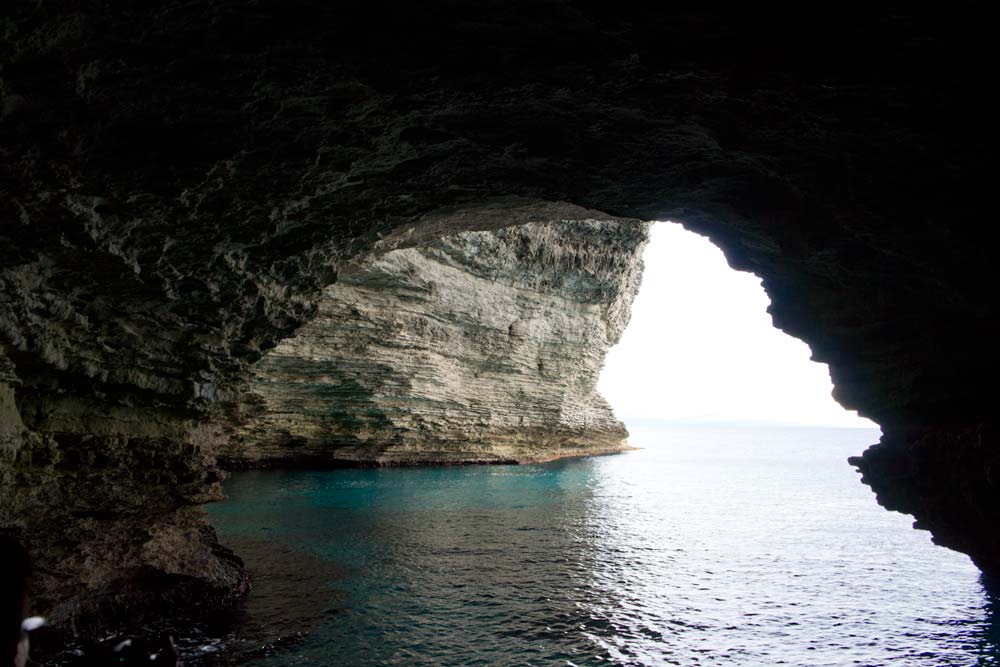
(700, 347)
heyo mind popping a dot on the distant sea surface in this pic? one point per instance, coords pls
(710, 546)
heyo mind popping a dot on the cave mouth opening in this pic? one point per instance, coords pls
(701, 349)
(691, 534)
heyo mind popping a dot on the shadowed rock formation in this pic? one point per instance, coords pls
(179, 184)
(483, 347)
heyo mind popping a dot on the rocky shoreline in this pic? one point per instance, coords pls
(321, 462)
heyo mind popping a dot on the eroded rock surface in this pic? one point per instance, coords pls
(483, 347)
(108, 500)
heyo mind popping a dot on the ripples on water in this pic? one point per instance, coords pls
(709, 547)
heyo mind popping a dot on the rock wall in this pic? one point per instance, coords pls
(108, 501)
(483, 347)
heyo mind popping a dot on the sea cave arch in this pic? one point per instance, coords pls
(180, 186)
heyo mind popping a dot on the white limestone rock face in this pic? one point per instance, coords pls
(483, 346)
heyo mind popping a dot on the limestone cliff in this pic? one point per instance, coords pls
(484, 346)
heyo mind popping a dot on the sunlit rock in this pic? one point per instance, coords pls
(483, 347)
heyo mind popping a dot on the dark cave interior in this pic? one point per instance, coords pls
(179, 183)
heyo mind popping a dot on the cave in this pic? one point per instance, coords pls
(180, 184)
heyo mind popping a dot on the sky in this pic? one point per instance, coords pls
(700, 347)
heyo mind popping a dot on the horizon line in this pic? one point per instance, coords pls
(653, 421)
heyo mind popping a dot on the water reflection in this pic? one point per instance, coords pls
(987, 632)
(717, 548)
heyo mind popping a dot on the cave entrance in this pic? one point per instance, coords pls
(700, 348)
(739, 519)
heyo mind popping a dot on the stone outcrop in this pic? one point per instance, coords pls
(483, 347)
(180, 182)
(108, 499)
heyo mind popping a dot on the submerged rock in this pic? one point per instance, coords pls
(484, 346)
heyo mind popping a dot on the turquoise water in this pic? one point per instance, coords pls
(711, 546)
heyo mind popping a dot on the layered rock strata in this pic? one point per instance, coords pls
(483, 347)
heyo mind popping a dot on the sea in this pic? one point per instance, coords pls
(710, 545)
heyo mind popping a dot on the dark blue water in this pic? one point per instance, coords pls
(709, 547)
